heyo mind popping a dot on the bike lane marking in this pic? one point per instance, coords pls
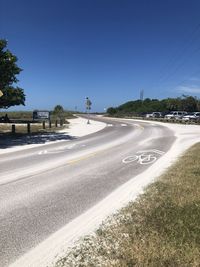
(144, 157)
(151, 150)
(60, 149)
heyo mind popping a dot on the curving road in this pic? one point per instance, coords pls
(44, 188)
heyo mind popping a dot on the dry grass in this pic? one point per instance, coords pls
(28, 115)
(161, 229)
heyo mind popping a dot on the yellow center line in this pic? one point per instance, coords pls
(83, 158)
(141, 127)
(73, 161)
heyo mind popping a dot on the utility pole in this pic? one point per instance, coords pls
(88, 104)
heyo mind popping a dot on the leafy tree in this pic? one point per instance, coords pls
(189, 103)
(184, 103)
(172, 104)
(198, 105)
(58, 111)
(111, 111)
(8, 70)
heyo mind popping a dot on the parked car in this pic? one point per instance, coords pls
(193, 116)
(154, 115)
(177, 115)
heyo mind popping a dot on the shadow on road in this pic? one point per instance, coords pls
(8, 140)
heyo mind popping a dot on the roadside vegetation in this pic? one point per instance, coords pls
(160, 229)
(140, 108)
(28, 115)
(21, 118)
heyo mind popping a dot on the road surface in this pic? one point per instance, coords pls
(44, 188)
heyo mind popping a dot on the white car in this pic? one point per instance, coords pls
(154, 115)
(194, 116)
(177, 115)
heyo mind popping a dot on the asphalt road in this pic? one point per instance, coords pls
(44, 188)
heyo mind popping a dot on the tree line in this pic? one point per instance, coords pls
(139, 107)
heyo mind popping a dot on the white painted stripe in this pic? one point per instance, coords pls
(152, 150)
(109, 125)
(159, 151)
(123, 124)
(42, 152)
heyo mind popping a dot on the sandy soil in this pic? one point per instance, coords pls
(78, 127)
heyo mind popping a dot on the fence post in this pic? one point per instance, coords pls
(28, 127)
(13, 128)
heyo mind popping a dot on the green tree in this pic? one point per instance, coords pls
(189, 103)
(111, 111)
(8, 71)
(138, 107)
(58, 111)
(173, 104)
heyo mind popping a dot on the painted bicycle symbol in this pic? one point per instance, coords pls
(144, 157)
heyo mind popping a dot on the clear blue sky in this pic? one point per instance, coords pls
(107, 50)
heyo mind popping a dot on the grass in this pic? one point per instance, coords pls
(28, 115)
(18, 114)
(35, 127)
(162, 228)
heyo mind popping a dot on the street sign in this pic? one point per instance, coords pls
(88, 107)
(1, 93)
(41, 115)
(88, 103)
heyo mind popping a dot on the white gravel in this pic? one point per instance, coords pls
(57, 244)
(78, 127)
